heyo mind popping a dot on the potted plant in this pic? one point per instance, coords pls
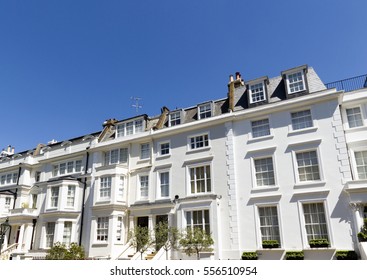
(294, 255)
(346, 255)
(269, 244)
(362, 235)
(319, 243)
(249, 256)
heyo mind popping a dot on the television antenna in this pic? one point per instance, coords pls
(136, 103)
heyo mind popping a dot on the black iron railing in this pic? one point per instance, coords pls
(349, 84)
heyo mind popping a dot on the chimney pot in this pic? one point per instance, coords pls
(230, 78)
(238, 75)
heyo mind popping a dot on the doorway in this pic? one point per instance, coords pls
(143, 222)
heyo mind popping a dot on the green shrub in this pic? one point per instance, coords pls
(318, 243)
(294, 255)
(249, 256)
(270, 244)
(346, 255)
(362, 235)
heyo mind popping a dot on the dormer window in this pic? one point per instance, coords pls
(174, 118)
(129, 128)
(257, 92)
(295, 82)
(204, 111)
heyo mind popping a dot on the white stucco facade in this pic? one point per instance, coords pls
(248, 168)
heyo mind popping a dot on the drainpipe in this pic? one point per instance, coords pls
(83, 204)
(33, 230)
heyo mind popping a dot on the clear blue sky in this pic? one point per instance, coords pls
(66, 66)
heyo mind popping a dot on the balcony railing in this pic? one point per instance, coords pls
(349, 84)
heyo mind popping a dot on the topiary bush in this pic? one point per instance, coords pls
(362, 235)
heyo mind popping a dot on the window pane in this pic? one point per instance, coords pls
(123, 155)
(315, 221)
(164, 178)
(269, 226)
(260, 128)
(301, 120)
(264, 172)
(295, 82)
(361, 164)
(257, 93)
(308, 167)
(354, 117)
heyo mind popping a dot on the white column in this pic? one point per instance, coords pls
(20, 240)
(358, 208)
(151, 225)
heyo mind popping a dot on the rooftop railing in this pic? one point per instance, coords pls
(349, 84)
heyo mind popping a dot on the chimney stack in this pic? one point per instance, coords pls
(232, 85)
(238, 75)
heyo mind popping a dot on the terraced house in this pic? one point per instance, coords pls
(281, 160)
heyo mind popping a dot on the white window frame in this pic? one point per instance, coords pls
(254, 90)
(102, 229)
(258, 222)
(67, 234)
(313, 122)
(346, 119)
(121, 189)
(7, 202)
(9, 178)
(204, 222)
(144, 156)
(129, 127)
(289, 84)
(189, 179)
(105, 188)
(303, 221)
(119, 228)
(173, 121)
(71, 195)
(159, 183)
(254, 173)
(48, 235)
(316, 150)
(63, 168)
(206, 111)
(196, 142)
(54, 201)
(354, 161)
(140, 189)
(120, 159)
(253, 137)
(159, 148)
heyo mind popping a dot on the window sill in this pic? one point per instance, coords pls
(103, 201)
(319, 249)
(144, 160)
(301, 131)
(100, 244)
(258, 139)
(159, 157)
(162, 199)
(309, 184)
(355, 129)
(191, 151)
(265, 189)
